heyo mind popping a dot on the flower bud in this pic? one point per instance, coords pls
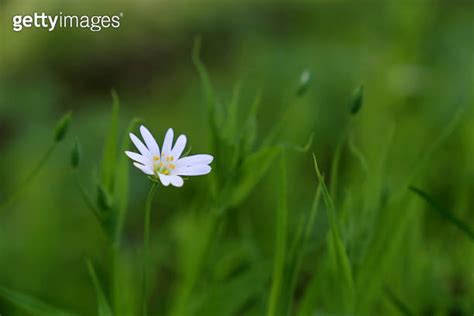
(75, 154)
(104, 201)
(357, 100)
(304, 83)
(62, 127)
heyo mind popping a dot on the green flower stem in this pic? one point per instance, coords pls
(14, 196)
(113, 243)
(86, 198)
(280, 123)
(146, 246)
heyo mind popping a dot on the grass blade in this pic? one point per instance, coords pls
(31, 304)
(335, 167)
(231, 127)
(357, 153)
(102, 304)
(230, 297)
(398, 303)
(194, 237)
(340, 259)
(281, 244)
(299, 255)
(446, 214)
(422, 161)
(203, 75)
(122, 180)
(250, 130)
(252, 170)
(207, 88)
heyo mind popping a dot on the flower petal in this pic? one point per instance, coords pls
(177, 181)
(196, 170)
(145, 169)
(201, 159)
(138, 158)
(141, 148)
(167, 143)
(150, 141)
(165, 180)
(179, 146)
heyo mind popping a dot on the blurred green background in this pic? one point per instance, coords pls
(416, 62)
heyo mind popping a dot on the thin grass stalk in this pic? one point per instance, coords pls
(281, 244)
(146, 246)
(308, 229)
(14, 196)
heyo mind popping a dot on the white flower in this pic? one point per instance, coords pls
(168, 166)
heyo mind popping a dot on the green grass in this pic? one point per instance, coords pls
(345, 274)
(370, 216)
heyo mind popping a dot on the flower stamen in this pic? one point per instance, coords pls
(163, 168)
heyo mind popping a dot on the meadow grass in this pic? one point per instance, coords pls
(341, 255)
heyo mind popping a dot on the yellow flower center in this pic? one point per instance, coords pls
(164, 165)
